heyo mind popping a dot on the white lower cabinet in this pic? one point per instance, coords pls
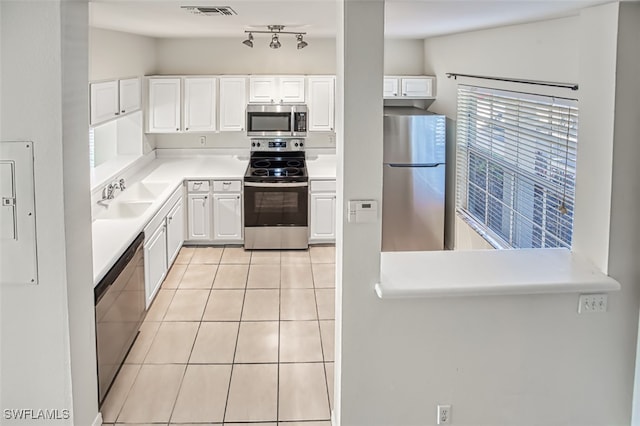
(322, 212)
(155, 261)
(164, 236)
(199, 223)
(175, 231)
(227, 217)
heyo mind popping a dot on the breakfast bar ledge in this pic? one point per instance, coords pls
(488, 272)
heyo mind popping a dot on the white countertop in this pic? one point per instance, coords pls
(322, 167)
(488, 272)
(112, 237)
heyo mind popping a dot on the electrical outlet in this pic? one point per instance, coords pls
(592, 303)
(444, 415)
(203, 140)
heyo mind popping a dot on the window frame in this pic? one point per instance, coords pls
(521, 140)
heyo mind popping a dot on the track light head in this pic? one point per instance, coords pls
(249, 41)
(275, 43)
(301, 43)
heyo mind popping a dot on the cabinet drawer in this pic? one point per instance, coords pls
(198, 186)
(323, 186)
(227, 186)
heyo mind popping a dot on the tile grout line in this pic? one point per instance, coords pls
(186, 367)
(279, 328)
(324, 364)
(127, 393)
(235, 349)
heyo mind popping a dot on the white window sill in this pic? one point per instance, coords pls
(488, 272)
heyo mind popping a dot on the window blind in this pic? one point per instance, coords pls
(516, 165)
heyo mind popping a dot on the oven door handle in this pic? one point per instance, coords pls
(277, 184)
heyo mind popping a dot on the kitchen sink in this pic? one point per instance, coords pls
(125, 210)
(143, 191)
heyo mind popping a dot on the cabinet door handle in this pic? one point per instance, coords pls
(187, 128)
(177, 130)
(117, 113)
(206, 197)
(123, 111)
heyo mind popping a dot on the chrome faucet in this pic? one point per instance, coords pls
(108, 192)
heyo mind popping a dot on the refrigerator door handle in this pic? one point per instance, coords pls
(415, 165)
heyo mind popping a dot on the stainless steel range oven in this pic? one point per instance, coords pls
(276, 195)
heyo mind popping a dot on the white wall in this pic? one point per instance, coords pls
(466, 238)
(230, 56)
(48, 345)
(403, 57)
(509, 360)
(624, 244)
(114, 54)
(359, 122)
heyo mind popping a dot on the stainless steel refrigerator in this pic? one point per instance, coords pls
(413, 180)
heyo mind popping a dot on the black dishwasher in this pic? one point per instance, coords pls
(120, 309)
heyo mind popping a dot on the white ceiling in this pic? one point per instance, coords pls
(403, 18)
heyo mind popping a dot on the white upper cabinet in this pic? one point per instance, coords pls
(291, 89)
(272, 89)
(111, 99)
(321, 103)
(413, 87)
(164, 105)
(262, 89)
(129, 95)
(233, 103)
(104, 101)
(409, 87)
(200, 104)
(390, 87)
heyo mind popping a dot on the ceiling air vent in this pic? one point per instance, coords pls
(210, 10)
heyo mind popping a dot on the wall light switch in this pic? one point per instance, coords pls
(363, 211)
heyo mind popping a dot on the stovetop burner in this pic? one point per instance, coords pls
(278, 172)
(266, 166)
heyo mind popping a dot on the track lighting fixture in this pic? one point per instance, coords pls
(275, 31)
(249, 41)
(301, 43)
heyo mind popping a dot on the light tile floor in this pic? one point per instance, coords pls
(234, 337)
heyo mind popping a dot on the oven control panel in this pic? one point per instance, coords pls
(278, 145)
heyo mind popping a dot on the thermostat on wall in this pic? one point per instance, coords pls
(363, 211)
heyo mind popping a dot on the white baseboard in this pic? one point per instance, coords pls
(333, 419)
(98, 420)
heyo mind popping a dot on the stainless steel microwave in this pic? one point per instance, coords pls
(277, 120)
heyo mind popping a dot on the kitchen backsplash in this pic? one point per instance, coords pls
(231, 140)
